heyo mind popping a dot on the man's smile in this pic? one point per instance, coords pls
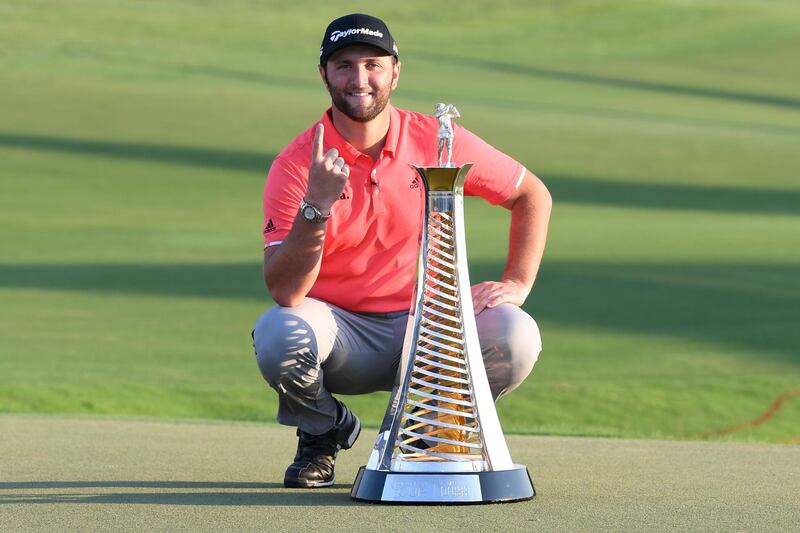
(359, 94)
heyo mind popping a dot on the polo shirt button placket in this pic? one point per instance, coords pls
(377, 205)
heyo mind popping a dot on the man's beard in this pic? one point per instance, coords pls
(380, 98)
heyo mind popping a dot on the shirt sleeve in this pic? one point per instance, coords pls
(494, 175)
(284, 190)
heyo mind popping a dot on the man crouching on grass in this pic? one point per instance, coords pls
(342, 216)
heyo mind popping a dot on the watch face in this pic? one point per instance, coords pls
(309, 213)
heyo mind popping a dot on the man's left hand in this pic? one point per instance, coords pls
(493, 293)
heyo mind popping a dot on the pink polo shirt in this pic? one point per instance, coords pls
(370, 251)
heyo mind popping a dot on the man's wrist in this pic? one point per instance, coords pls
(521, 285)
(313, 213)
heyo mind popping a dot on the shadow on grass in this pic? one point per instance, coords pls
(584, 190)
(158, 153)
(590, 191)
(267, 494)
(608, 81)
(28, 485)
(208, 280)
(743, 306)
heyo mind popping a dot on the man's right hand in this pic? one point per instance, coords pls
(326, 176)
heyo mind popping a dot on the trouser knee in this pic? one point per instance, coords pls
(510, 342)
(286, 349)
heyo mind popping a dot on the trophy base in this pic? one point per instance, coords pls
(379, 486)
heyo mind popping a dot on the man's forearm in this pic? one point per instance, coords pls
(530, 215)
(530, 207)
(291, 268)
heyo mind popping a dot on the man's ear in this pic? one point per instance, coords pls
(395, 74)
(323, 75)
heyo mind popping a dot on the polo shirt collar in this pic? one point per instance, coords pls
(335, 140)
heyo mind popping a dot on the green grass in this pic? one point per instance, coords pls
(134, 140)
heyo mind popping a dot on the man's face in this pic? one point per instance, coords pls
(360, 80)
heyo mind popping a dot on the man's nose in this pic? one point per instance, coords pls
(361, 75)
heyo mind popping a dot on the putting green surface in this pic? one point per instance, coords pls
(126, 474)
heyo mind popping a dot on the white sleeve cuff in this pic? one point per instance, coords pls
(521, 175)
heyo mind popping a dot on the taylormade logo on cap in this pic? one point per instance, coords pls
(356, 28)
(336, 35)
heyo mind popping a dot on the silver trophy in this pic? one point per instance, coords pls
(441, 440)
(445, 113)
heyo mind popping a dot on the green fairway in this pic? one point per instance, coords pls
(135, 138)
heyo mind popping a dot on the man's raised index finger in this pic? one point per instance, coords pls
(316, 148)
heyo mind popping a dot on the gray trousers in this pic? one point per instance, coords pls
(308, 352)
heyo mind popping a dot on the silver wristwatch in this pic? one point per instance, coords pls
(312, 212)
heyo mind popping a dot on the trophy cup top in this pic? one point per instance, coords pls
(442, 179)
